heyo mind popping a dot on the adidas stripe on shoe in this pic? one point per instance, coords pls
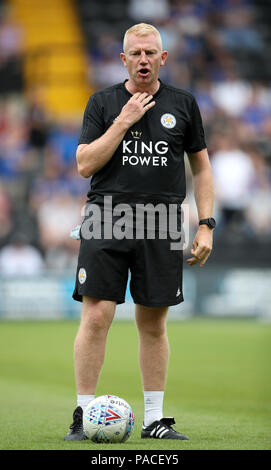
(162, 430)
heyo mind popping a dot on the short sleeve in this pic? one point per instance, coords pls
(93, 123)
(194, 137)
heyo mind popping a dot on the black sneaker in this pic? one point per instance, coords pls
(76, 432)
(162, 430)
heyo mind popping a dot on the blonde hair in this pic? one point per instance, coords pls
(142, 29)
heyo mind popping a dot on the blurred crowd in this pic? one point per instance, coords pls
(41, 194)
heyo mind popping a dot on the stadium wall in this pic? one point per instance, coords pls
(219, 292)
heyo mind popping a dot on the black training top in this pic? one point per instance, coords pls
(149, 162)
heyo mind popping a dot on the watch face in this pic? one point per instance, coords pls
(212, 222)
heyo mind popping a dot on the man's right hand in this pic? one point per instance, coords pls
(92, 157)
(135, 108)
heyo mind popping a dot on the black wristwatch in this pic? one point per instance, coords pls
(210, 222)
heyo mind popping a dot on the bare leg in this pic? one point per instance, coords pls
(89, 346)
(153, 346)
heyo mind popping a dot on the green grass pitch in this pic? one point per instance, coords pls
(218, 387)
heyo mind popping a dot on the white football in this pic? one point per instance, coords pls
(108, 418)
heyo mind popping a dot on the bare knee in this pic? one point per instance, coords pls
(94, 322)
(152, 323)
(97, 316)
(152, 332)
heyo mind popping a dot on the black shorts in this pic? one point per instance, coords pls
(156, 271)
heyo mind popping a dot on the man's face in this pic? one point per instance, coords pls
(143, 58)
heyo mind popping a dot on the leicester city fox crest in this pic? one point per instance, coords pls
(168, 121)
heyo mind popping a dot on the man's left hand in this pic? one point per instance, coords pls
(202, 246)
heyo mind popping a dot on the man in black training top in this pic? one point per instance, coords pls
(132, 144)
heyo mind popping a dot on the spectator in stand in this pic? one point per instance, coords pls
(232, 94)
(57, 216)
(55, 201)
(13, 155)
(265, 136)
(205, 101)
(11, 47)
(148, 11)
(5, 215)
(258, 211)
(257, 110)
(237, 31)
(106, 68)
(37, 118)
(233, 180)
(62, 142)
(19, 258)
